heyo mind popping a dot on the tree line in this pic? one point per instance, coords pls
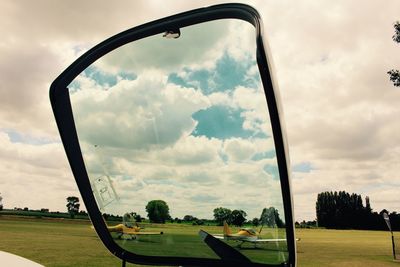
(158, 212)
(269, 217)
(342, 210)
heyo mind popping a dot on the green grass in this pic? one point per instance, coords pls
(182, 240)
(54, 243)
(73, 243)
(319, 247)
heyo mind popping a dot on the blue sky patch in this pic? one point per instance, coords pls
(74, 86)
(264, 155)
(220, 122)
(227, 75)
(107, 79)
(303, 167)
(175, 79)
(127, 76)
(231, 73)
(101, 78)
(272, 170)
(17, 137)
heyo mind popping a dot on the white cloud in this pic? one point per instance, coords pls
(34, 176)
(239, 150)
(141, 113)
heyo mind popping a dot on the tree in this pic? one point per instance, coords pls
(136, 217)
(197, 221)
(83, 213)
(270, 217)
(341, 210)
(255, 222)
(394, 75)
(238, 217)
(73, 206)
(222, 214)
(189, 218)
(157, 211)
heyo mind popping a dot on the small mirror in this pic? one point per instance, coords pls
(177, 142)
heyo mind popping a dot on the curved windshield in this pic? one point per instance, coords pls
(177, 142)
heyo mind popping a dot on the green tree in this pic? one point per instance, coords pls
(238, 217)
(270, 217)
(189, 218)
(157, 211)
(255, 222)
(73, 206)
(222, 214)
(394, 75)
(197, 222)
(341, 210)
(136, 217)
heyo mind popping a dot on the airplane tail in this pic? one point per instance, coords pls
(227, 230)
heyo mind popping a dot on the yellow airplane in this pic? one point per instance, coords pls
(132, 232)
(246, 235)
(129, 229)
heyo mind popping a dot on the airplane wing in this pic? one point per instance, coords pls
(269, 240)
(127, 232)
(218, 236)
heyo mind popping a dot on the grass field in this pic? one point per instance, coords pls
(182, 240)
(73, 243)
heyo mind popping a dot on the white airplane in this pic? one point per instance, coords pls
(246, 235)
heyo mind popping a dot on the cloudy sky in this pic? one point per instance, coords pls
(341, 111)
(183, 120)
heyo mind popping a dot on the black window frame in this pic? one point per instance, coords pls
(60, 101)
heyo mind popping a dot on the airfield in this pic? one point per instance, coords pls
(64, 242)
